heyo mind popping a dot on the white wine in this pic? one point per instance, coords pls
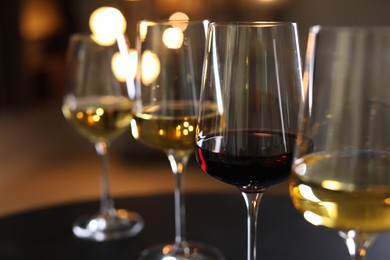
(100, 118)
(167, 127)
(343, 190)
(170, 126)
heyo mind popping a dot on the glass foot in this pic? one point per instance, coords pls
(106, 227)
(187, 251)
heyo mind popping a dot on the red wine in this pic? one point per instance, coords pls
(250, 160)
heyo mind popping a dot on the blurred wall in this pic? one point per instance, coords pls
(336, 12)
(34, 33)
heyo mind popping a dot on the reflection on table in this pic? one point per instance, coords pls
(215, 218)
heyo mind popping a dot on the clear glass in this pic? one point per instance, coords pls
(250, 97)
(340, 176)
(98, 103)
(165, 111)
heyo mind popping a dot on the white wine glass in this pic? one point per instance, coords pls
(165, 111)
(340, 176)
(98, 103)
(249, 102)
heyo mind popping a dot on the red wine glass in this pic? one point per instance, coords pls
(250, 96)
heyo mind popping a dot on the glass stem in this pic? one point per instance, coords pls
(178, 165)
(252, 201)
(106, 202)
(357, 243)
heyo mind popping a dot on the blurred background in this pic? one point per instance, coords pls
(43, 161)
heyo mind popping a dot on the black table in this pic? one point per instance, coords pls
(218, 219)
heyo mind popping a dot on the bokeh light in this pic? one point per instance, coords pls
(106, 23)
(150, 67)
(124, 66)
(173, 37)
(179, 16)
(180, 20)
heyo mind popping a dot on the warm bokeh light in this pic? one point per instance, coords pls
(40, 19)
(173, 37)
(184, 129)
(143, 29)
(133, 59)
(179, 16)
(180, 20)
(150, 67)
(106, 23)
(124, 66)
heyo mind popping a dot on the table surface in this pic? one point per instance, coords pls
(215, 218)
(48, 178)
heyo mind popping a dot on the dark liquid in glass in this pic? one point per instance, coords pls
(247, 158)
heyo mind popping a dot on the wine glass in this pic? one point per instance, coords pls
(341, 165)
(98, 103)
(165, 112)
(250, 96)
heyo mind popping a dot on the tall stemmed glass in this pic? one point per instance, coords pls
(165, 111)
(341, 166)
(97, 103)
(249, 105)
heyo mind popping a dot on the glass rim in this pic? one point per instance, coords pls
(170, 22)
(253, 23)
(351, 28)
